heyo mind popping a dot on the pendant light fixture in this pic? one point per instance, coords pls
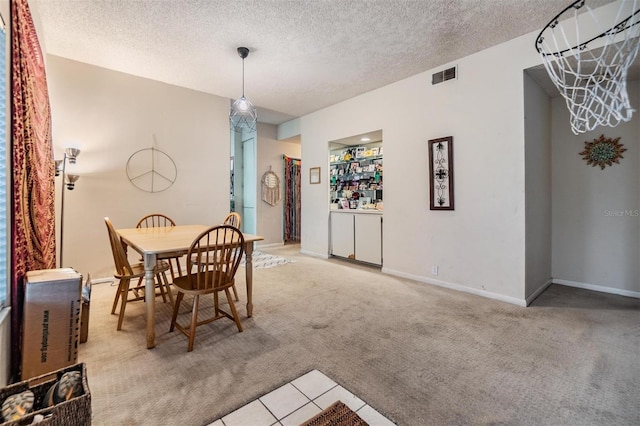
(243, 115)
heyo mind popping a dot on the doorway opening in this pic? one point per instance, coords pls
(292, 205)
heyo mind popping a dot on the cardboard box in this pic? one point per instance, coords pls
(84, 313)
(51, 320)
(84, 322)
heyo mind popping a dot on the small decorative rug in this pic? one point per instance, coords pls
(337, 414)
(264, 260)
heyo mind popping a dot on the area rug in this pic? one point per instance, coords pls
(265, 260)
(337, 414)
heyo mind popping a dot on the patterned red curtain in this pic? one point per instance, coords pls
(33, 167)
(291, 200)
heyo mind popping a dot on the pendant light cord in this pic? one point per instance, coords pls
(243, 115)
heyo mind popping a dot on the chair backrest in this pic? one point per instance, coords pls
(155, 220)
(233, 219)
(123, 267)
(214, 257)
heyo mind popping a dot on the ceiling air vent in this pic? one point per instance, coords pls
(445, 75)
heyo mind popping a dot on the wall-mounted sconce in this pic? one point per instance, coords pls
(69, 182)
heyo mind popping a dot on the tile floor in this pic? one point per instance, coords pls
(298, 401)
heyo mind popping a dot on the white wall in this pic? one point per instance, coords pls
(537, 125)
(270, 152)
(479, 247)
(109, 116)
(288, 130)
(596, 224)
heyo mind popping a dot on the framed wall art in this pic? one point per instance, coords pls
(441, 173)
(314, 175)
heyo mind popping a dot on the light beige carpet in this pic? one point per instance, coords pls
(419, 354)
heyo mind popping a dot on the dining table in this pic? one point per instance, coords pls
(151, 242)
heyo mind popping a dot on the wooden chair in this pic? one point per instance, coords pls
(125, 272)
(156, 220)
(212, 262)
(233, 219)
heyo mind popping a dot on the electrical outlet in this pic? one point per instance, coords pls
(434, 269)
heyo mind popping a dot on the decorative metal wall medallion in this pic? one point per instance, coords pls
(441, 173)
(151, 170)
(602, 152)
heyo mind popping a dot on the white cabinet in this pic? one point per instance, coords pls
(342, 233)
(368, 238)
(357, 236)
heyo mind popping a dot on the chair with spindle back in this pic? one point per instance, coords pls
(234, 220)
(125, 272)
(212, 261)
(156, 220)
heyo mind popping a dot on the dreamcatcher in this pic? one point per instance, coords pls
(270, 188)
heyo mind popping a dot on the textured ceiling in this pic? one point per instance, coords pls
(305, 54)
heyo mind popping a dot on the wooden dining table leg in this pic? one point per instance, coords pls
(248, 253)
(150, 297)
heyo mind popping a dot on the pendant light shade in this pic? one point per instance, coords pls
(243, 115)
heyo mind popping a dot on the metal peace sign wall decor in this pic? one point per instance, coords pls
(151, 170)
(441, 173)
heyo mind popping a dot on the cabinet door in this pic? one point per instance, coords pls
(342, 235)
(368, 238)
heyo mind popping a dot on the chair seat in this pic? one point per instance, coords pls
(188, 284)
(138, 270)
(208, 258)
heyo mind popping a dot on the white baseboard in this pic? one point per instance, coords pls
(600, 288)
(102, 280)
(314, 254)
(259, 246)
(539, 291)
(458, 287)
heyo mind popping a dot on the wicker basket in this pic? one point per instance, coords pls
(74, 412)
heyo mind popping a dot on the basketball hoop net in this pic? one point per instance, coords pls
(592, 78)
